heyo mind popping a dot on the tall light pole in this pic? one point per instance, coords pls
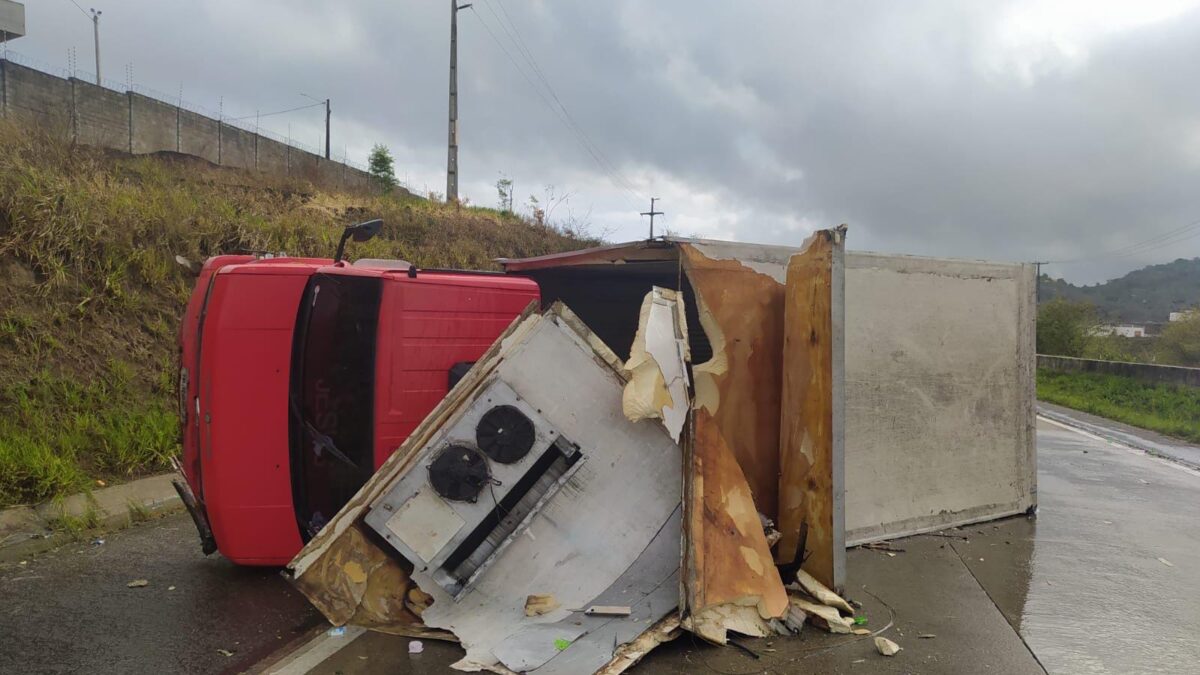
(326, 102)
(96, 35)
(452, 141)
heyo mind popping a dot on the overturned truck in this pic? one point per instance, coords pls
(686, 435)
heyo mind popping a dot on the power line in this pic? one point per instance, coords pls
(1163, 240)
(277, 112)
(560, 111)
(80, 9)
(527, 54)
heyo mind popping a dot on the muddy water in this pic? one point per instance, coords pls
(1083, 582)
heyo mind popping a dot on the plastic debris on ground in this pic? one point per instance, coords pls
(886, 647)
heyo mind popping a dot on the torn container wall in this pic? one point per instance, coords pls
(938, 370)
(527, 509)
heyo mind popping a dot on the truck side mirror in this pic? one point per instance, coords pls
(360, 232)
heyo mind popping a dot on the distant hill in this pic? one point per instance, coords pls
(1148, 294)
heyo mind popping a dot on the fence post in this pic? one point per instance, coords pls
(74, 111)
(129, 98)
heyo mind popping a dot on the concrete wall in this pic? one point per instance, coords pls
(237, 147)
(37, 99)
(101, 116)
(1146, 372)
(303, 164)
(93, 115)
(198, 136)
(154, 125)
(272, 156)
(939, 393)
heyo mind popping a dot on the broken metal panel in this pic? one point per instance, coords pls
(810, 430)
(323, 570)
(586, 535)
(741, 310)
(729, 579)
(608, 535)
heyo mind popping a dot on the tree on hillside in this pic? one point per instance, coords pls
(1064, 327)
(504, 190)
(1179, 344)
(382, 167)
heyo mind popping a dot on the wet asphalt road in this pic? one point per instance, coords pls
(1078, 589)
(70, 611)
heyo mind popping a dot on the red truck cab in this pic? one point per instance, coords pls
(299, 377)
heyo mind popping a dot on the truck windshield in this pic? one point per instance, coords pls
(331, 401)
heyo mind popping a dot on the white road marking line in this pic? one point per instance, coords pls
(314, 652)
(1127, 448)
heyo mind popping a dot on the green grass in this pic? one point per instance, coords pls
(91, 294)
(1167, 409)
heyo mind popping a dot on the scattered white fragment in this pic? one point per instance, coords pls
(861, 631)
(336, 631)
(224, 652)
(859, 661)
(824, 617)
(926, 636)
(886, 647)
(890, 554)
(138, 583)
(1166, 562)
(170, 588)
(415, 647)
(609, 610)
(821, 593)
(795, 618)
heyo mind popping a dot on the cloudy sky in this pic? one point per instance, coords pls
(1063, 130)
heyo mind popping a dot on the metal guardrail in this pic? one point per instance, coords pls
(1146, 372)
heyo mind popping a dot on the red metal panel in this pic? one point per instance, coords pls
(245, 367)
(426, 325)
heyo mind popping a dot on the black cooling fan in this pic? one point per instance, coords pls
(505, 434)
(458, 473)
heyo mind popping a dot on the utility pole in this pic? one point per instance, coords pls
(652, 213)
(96, 36)
(326, 102)
(1037, 293)
(452, 140)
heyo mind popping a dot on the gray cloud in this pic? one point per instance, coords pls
(1018, 130)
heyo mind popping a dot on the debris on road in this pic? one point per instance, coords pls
(138, 583)
(926, 636)
(537, 605)
(225, 652)
(818, 590)
(415, 647)
(1166, 562)
(886, 647)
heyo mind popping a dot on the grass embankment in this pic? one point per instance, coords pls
(91, 295)
(1167, 409)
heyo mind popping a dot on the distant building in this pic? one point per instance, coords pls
(1181, 316)
(12, 20)
(1124, 330)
